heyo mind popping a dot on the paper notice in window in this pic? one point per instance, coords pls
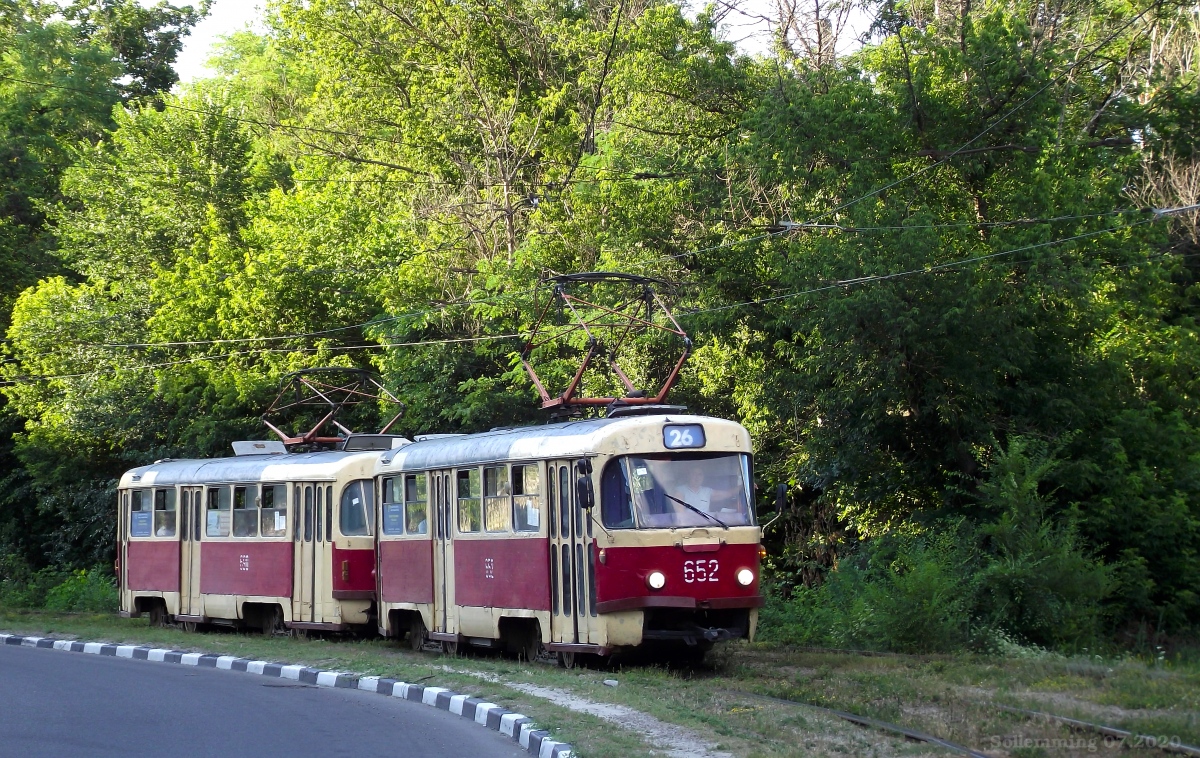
(280, 521)
(534, 515)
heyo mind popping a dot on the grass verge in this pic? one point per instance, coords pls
(952, 697)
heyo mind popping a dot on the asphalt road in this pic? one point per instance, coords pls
(55, 704)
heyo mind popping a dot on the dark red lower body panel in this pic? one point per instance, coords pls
(407, 571)
(693, 579)
(354, 571)
(247, 568)
(503, 573)
(153, 566)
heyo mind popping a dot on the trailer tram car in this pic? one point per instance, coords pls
(587, 537)
(267, 538)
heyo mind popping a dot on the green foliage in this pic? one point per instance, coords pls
(54, 589)
(91, 590)
(1020, 575)
(382, 186)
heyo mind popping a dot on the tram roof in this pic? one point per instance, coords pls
(565, 440)
(276, 467)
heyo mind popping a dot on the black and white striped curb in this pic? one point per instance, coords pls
(515, 725)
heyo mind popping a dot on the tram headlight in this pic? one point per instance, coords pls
(745, 577)
(656, 580)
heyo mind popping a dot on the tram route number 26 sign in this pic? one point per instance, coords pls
(683, 436)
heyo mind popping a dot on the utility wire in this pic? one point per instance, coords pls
(844, 283)
(841, 284)
(1157, 214)
(256, 351)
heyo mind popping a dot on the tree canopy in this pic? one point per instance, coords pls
(903, 262)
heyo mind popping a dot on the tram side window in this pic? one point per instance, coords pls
(358, 508)
(526, 495)
(245, 513)
(273, 513)
(393, 506)
(468, 501)
(140, 517)
(217, 523)
(416, 499)
(164, 513)
(496, 494)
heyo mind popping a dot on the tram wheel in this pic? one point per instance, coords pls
(416, 634)
(450, 647)
(272, 622)
(566, 659)
(158, 616)
(531, 646)
(189, 626)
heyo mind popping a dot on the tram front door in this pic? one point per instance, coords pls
(191, 522)
(572, 561)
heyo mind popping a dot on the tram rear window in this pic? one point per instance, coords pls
(404, 504)
(358, 508)
(393, 506)
(140, 518)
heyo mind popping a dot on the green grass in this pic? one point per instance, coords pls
(953, 697)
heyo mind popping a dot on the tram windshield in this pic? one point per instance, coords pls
(668, 490)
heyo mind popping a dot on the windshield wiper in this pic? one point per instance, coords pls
(694, 509)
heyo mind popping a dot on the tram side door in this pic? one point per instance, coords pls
(445, 619)
(322, 585)
(572, 561)
(191, 522)
(304, 565)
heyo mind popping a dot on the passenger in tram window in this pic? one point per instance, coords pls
(696, 491)
(415, 504)
(727, 494)
(164, 513)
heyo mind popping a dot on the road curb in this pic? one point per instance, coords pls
(516, 726)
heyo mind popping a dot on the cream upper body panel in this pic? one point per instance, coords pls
(282, 467)
(574, 439)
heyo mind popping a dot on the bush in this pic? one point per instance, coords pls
(1020, 577)
(22, 587)
(906, 593)
(84, 591)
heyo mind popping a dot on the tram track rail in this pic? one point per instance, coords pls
(1130, 739)
(868, 722)
(1126, 738)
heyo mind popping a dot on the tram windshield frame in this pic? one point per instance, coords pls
(677, 491)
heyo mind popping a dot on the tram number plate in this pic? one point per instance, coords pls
(700, 571)
(682, 436)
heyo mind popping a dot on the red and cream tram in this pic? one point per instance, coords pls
(587, 537)
(267, 538)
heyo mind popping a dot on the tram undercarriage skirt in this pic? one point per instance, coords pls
(694, 627)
